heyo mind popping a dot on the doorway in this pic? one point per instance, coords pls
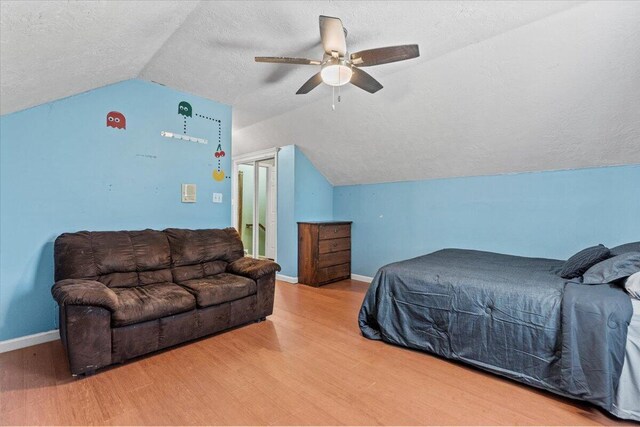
(255, 202)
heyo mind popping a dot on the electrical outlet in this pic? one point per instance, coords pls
(217, 197)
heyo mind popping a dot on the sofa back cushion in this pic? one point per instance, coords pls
(200, 253)
(115, 258)
(134, 258)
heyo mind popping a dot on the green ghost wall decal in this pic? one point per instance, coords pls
(184, 108)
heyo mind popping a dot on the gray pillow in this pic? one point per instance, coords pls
(580, 262)
(627, 247)
(613, 269)
(632, 285)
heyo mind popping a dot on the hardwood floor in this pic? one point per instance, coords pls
(306, 365)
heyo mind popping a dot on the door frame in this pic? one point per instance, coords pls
(256, 156)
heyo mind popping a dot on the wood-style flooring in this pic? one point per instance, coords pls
(307, 364)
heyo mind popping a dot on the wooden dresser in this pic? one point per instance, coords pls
(324, 252)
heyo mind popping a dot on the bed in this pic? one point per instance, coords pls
(516, 317)
(627, 401)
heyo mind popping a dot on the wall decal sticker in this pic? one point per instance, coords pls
(219, 151)
(185, 109)
(219, 127)
(208, 118)
(218, 175)
(116, 120)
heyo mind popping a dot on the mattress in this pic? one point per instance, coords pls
(627, 402)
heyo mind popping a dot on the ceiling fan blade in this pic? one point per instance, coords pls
(285, 60)
(384, 55)
(310, 84)
(364, 81)
(332, 35)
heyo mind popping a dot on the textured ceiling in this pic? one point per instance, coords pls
(53, 49)
(559, 93)
(212, 53)
(500, 87)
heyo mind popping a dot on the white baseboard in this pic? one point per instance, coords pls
(29, 340)
(357, 277)
(287, 279)
(360, 278)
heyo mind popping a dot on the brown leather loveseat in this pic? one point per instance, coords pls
(126, 293)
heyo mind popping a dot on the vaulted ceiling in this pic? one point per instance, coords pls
(500, 87)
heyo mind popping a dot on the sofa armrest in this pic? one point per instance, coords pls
(84, 292)
(86, 335)
(266, 295)
(252, 268)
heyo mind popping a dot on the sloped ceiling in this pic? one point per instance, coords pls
(562, 92)
(500, 87)
(212, 53)
(53, 49)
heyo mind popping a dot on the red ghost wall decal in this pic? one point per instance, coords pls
(116, 120)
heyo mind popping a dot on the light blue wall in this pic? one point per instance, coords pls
(287, 244)
(62, 169)
(304, 194)
(545, 214)
(313, 193)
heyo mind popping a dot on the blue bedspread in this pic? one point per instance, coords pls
(511, 315)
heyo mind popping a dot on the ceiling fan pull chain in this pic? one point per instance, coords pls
(333, 98)
(339, 83)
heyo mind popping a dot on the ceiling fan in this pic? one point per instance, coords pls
(338, 69)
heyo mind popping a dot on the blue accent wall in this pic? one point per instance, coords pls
(544, 214)
(313, 193)
(304, 194)
(287, 243)
(62, 169)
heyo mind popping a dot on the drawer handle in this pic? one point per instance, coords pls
(335, 230)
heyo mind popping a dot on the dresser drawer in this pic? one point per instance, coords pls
(334, 245)
(334, 258)
(334, 272)
(329, 231)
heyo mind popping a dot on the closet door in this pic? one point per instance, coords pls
(257, 207)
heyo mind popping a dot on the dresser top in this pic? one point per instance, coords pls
(325, 222)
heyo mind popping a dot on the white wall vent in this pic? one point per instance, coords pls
(188, 193)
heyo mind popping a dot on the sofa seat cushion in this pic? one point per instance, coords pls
(142, 303)
(220, 288)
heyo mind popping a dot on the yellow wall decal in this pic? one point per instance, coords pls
(218, 175)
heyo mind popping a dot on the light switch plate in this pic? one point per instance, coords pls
(217, 197)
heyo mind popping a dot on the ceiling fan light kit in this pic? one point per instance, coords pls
(338, 68)
(336, 72)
